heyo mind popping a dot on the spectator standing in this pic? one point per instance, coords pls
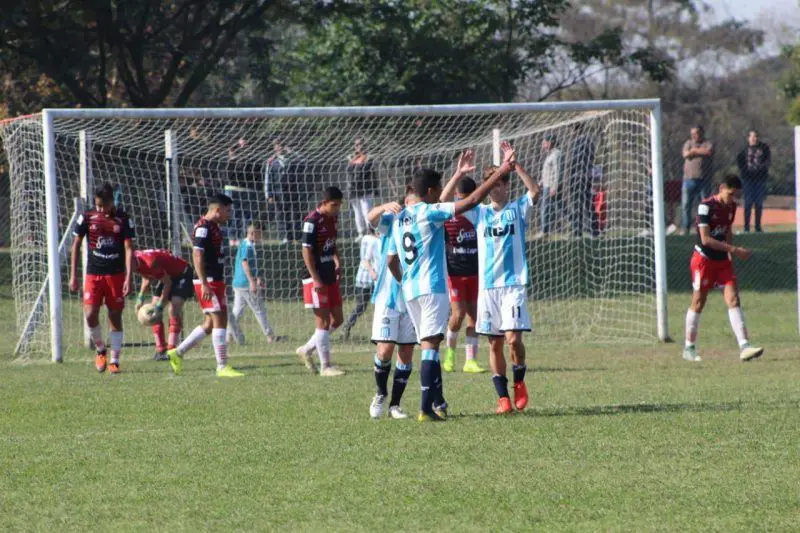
(581, 163)
(362, 185)
(551, 184)
(698, 154)
(754, 162)
(280, 190)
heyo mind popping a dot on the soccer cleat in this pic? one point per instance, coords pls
(175, 361)
(441, 410)
(100, 361)
(160, 356)
(306, 358)
(228, 371)
(113, 368)
(396, 412)
(690, 354)
(331, 372)
(376, 407)
(449, 360)
(520, 396)
(504, 406)
(749, 353)
(471, 366)
(429, 417)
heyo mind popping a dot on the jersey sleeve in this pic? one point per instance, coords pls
(384, 224)
(309, 233)
(128, 229)
(391, 249)
(703, 214)
(524, 204)
(81, 226)
(201, 238)
(472, 215)
(441, 213)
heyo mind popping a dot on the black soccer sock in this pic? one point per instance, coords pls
(426, 376)
(438, 386)
(382, 369)
(401, 374)
(519, 372)
(500, 385)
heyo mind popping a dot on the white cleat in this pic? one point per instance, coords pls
(376, 407)
(749, 353)
(331, 371)
(396, 412)
(690, 354)
(306, 358)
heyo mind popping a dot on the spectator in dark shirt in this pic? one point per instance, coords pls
(581, 162)
(281, 191)
(754, 163)
(362, 184)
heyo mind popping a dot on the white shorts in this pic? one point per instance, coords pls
(503, 309)
(389, 325)
(430, 313)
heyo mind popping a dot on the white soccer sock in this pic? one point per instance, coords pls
(311, 343)
(115, 339)
(452, 338)
(692, 325)
(96, 334)
(192, 340)
(220, 342)
(471, 345)
(737, 323)
(323, 337)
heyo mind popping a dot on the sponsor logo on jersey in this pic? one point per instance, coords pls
(499, 231)
(468, 235)
(329, 245)
(105, 242)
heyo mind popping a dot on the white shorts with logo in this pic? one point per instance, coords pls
(390, 325)
(430, 314)
(503, 309)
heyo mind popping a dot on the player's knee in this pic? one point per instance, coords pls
(384, 351)
(733, 301)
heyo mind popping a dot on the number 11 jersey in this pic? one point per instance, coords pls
(418, 240)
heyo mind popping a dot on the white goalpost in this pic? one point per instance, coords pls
(597, 257)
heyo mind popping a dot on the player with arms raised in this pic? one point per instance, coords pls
(107, 279)
(711, 266)
(209, 287)
(417, 259)
(172, 278)
(503, 273)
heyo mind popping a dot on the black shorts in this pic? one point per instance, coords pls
(182, 286)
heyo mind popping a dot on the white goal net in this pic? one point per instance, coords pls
(592, 245)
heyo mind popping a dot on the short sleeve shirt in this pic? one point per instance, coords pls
(208, 238)
(718, 217)
(246, 252)
(106, 234)
(319, 234)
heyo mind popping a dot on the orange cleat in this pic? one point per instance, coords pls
(113, 368)
(504, 406)
(520, 396)
(100, 361)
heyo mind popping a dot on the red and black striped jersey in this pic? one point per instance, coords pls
(154, 264)
(462, 247)
(718, 216)
(207, 236)
(319, 234)
(106, 235)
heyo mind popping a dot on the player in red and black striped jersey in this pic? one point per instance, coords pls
(173, 279)
(107, 280)
(321, 280)
(462, 277)
(208, 257)
(711, 266)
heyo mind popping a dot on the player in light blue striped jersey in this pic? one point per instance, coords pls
(417, 259)
(503, 277)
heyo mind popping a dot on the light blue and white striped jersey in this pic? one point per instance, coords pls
(418, 239)
(387, 294)
(501, 243)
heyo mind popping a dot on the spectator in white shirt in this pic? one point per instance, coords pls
(552, 182)
(365, 278)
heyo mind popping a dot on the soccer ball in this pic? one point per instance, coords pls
(147, 315)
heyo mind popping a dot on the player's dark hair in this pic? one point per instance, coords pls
(220, 200)
(105, 192)
(732, 181)
(699, 128)
(753, 130)
(466, 186)
(425, 179)
(488, 171)
(332, 194)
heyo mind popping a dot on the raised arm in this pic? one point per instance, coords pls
(482, 191)
(530, 184)
(466, 164)
(375, 214)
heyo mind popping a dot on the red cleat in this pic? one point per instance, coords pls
(520, 396)
(504, 406)
(100, 362)
(113, 368)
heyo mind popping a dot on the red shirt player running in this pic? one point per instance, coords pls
(209, 287)
(321, 280)
(107, 279)
(711, 266)
(173, 283)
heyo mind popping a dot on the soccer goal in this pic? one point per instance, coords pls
(596, 244)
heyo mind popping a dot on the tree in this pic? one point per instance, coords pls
(442, 51)
(790, 84)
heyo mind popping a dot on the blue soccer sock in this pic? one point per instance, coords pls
(401, 374)
(427, 378)
(382, 369)
(500, 385)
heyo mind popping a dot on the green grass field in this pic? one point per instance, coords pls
(617, 439)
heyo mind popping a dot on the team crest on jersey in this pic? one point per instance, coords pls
(117, 228)
(407, 221)
(93, 227)
(509, 215)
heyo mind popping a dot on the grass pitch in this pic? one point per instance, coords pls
(617, 439)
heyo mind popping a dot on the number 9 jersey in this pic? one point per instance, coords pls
(418, 240)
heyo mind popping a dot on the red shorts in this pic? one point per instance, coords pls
(463, 288)
(219, 298)
(99, 289)
(709, 273)
(326, 298)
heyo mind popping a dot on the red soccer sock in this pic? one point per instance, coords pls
(158, 333)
